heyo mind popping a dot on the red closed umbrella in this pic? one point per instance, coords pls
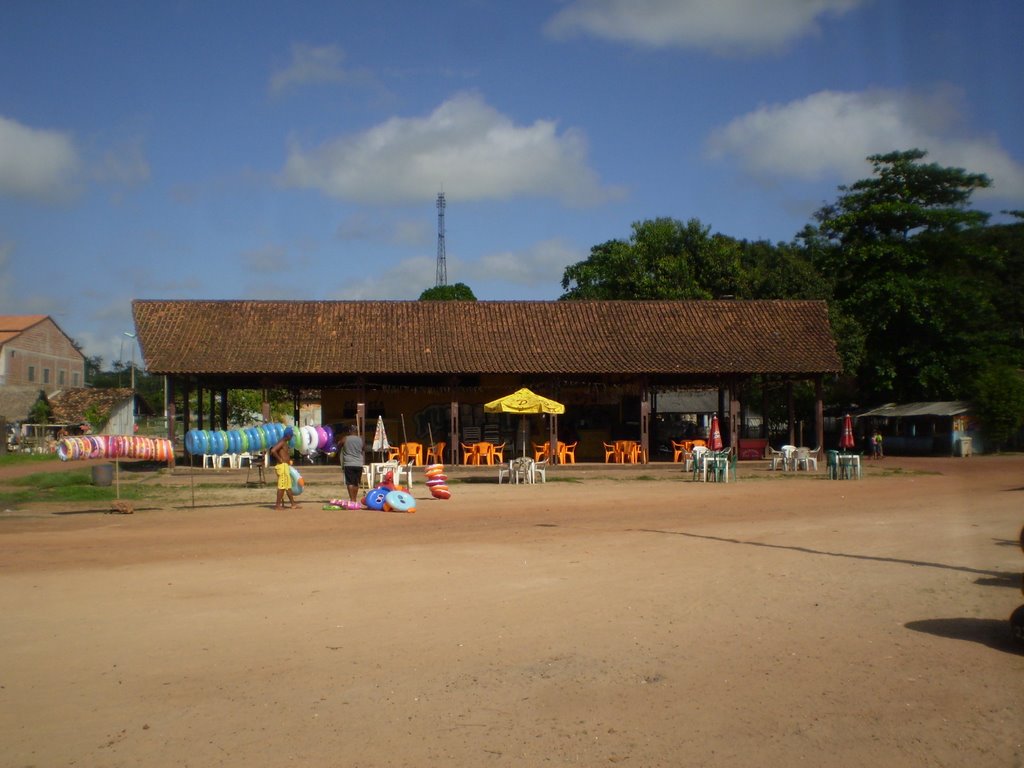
(714, 435)
(846, 441)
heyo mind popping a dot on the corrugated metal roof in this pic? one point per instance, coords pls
(941, 408)
(485, 337)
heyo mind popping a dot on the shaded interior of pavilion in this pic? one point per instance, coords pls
(597, 412)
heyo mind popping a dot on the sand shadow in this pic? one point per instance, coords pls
(992, 633)
(825, 553)
(1011, 580)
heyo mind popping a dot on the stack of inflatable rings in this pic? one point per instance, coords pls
(115, 447)
(437, 481)
(305, 440)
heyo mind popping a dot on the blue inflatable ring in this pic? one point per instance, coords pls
(375, 499)
(399, 501)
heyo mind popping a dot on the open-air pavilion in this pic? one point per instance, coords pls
(440, 361)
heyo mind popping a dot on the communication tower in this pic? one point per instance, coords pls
(442, 267)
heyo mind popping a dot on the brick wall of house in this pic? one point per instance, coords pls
(42, 356)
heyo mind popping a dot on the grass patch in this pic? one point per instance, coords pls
(70, 486)
(896, 471)
(20, 459)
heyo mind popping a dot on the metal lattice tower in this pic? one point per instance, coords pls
(442, 267)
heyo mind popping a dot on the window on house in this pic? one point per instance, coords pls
(60, 378)
(46, 375)
(31, 373)
(74, 379)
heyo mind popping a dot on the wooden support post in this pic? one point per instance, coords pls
(453, 431)
(645, 424)
(791, 412)
(819, 413)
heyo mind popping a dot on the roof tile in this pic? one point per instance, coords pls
(482, 337)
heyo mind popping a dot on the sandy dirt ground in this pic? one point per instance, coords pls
(611, 616)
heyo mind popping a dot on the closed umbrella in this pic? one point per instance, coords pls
(380, 437)
(846, 441)
(714, 435)
(524, 401)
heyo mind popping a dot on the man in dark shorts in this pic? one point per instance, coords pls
(351, 453)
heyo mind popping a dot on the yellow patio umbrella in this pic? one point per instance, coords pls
(524, 402)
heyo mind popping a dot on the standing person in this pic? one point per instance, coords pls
(352, 460)
(876, 445)
(282, 457)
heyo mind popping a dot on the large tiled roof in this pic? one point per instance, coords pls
(683, 338)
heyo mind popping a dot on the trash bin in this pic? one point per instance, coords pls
(103, 474)
(965, 446)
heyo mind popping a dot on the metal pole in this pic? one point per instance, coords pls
(131, 336)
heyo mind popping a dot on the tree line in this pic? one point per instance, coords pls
(924, 295)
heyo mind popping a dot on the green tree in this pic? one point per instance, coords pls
(663, 259)
(93, 364)
(456, 292)
(903, 271)
(1005, 281)
(782, 271)
(95, 417)
(999, 403)
(40, 412)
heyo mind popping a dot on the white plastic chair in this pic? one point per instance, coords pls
(381, 470)
(516, 471)
(697, 459)
(538, 469)
(788, 452)
(405, 471)
(807, 459)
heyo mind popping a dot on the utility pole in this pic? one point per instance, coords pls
(131, 336)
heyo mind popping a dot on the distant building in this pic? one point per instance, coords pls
(923, 429)
(36, 353)
(37, 359)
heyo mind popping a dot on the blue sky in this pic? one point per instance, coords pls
(190, 149)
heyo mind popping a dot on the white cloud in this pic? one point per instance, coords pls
(831, 133)
(310, 65)
(267, 259)
(123, 164)
(6, 280)
(408, 232)
(36, 164)
(404, 279)
(542, 264)
(538, 266)
(465, 146)
(744, 26)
